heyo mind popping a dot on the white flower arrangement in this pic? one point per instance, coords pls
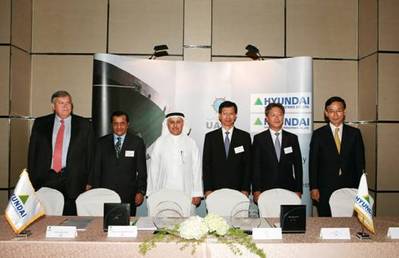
(216, 224)
(194, 230)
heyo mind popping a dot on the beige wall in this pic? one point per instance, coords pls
(333, 78)
(367, 88)
(54, 72)
(368, 27)
(22, 24)
(20, 81)
(5, 21)
(237, 23)
(135, 26)
(4, 151)
(388, 25)
(46, 45)
(326, 29)
(72, 26)
(4, 79)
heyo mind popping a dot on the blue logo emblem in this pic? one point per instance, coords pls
(216, 103)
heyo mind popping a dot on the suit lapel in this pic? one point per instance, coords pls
(74, 132)
(344, 139)
(284, 144)
(220, 137)
(330, 138)
(111, 147)
(125, 144)
(233, 141)
(49, 131)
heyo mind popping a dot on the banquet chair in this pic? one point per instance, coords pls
(91, 203)
(52, 201)
(227, 203)
(169, 203)
(342, 202)
(269, 201)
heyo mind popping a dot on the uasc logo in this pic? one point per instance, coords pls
(216, 103)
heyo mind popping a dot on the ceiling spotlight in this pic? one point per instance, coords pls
(159, 50)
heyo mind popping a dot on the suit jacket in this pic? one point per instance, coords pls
(126, 175)
(79, 156)
(233, 172)
(270, 173)
(325, 162)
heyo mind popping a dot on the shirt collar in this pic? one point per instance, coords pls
(230, 130)
(68, 119)
(333, 127)
(116, 137)
(274, 132)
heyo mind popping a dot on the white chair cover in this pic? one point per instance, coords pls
(342, 202)
(52, 201)
(269, 201)
(91, 203)
(227, 203)
(169, 203)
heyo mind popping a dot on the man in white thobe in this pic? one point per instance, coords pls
(175, 161)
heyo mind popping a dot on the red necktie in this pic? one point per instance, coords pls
(57, 157)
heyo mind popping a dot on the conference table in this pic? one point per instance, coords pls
(93, 242)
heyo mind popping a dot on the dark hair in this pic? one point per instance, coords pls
(334, 99)
(272, 105)
(227, 104)
(60, 93)
(119, 113)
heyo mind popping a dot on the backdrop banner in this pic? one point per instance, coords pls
(147, 89)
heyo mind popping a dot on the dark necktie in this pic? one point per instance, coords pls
(118, 147)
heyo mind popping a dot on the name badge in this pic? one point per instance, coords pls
(129, 153)
(335, 233)
(393, 233)
(61, 232)
(239, 149)
(288, 150)
(266, 233)
(122, 231)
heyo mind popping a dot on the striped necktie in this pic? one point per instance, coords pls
(118, 147)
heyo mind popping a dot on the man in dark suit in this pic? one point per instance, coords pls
(120, 163)
(227, 154)
(336, 158)
(61, 151)
(277, 159)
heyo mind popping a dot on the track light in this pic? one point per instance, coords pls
(159, 50)
(253, 52)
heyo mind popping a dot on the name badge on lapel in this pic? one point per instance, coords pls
(288, 150)
(239, 149)
(129, 153)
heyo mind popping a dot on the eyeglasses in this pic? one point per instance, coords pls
(339, 111)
